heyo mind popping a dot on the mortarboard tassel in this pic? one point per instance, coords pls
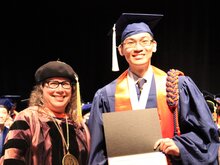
(115, 67)
(78, 99)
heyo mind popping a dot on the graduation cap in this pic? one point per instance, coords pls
(17, 101)
(212, 97)
(130, 24)
(13, 98)
(5, 102)
(213, 101)
(86, 108)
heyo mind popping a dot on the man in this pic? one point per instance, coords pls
(190, 139)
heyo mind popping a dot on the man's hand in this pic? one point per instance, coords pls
(167, 146)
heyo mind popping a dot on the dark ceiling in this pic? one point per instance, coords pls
(34, 32)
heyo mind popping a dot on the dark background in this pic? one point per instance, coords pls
(35, 32)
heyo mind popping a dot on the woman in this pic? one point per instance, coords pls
(51, 130)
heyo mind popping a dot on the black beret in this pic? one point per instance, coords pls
(55, 69)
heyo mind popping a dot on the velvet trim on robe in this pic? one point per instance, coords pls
(34, 139)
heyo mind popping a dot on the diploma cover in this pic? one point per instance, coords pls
(130, 137)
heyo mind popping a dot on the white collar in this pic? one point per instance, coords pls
(141, 103)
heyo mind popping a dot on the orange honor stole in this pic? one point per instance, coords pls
(123, 103)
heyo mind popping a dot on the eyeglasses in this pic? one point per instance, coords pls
(55, 84)
(133, 44)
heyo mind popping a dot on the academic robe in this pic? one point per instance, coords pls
(33, 139)
(199, 139)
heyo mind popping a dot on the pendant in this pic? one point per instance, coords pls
(69, 159)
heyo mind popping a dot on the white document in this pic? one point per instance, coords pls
(152, 158)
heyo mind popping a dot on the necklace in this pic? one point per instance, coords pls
(68, 159)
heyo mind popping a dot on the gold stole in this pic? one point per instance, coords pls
(123, 103)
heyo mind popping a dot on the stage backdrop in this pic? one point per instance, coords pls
(35, 32)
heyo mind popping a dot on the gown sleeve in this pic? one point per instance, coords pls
(199, 139)
(103, 102)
